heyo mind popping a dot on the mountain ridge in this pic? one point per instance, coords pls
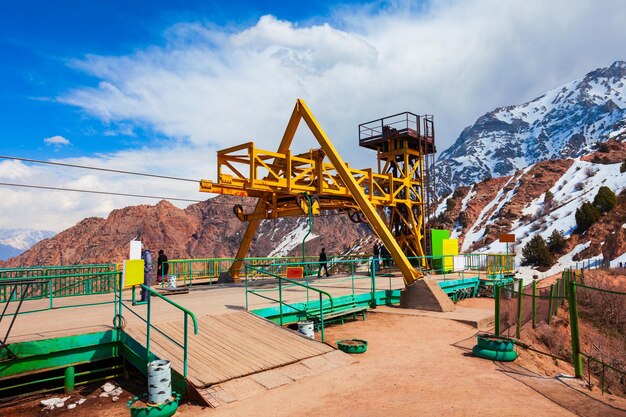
(565, 122)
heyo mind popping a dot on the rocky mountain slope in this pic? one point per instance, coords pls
(207, 229)
(517, 204)
(563, 123)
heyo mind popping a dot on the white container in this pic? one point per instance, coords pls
(159, 381)
(171, 282)
(306, 328)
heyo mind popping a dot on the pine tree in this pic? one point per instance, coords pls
(536, 253)
(605, 200)
(586, 215)
(556, 242)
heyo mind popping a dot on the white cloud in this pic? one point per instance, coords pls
(56, 141)
(58, 210)
(455, 59)
(208, 88)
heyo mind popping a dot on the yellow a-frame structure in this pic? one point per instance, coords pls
(277, 178)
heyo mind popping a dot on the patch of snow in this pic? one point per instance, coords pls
(293, 239)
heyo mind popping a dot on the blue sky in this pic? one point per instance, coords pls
(39, 40)
(160, 86)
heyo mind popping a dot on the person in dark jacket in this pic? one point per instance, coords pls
(162, 266)
(375, 257)
(384, 254)
(147, 271)
(322, 263)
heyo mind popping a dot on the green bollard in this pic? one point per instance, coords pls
(518, 333)
(68, 380)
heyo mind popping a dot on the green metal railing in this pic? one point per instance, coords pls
(564, 290)
(86, 269)
(209, 269)
(119, 305)
(280, 300)
(64, 281)
(60, 286)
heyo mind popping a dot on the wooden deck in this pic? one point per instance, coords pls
(228, 346)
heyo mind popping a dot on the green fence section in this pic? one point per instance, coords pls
(495, 266)
(600, 301)
(152, 295)
(61, 281)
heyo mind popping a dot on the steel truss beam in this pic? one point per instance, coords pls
(275, 178)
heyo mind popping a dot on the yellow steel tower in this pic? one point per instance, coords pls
(405, 145)
(391, 200)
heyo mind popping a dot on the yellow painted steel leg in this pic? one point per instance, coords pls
(284, 146)
(408, 272)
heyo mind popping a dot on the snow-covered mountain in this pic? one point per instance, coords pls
(518, 204)
(563, 123)
(15, 241)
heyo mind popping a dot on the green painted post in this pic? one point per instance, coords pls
(120, 306)
(534, 303)
(186, 348)
(322, 317)
(519, 309)
(550, 304)
(373, 305)
(68, 380)
(148, 329)
(352, 274)
(280, 298)
(564, 285)
(50, 294)
(573, 313)
(497, 312)
(246, 287)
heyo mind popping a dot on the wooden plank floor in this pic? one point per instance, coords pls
(228, 346)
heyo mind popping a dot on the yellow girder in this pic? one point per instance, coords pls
(244, 170)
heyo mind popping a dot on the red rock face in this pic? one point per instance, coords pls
(608, 236)
(610, 152)
(207, 229)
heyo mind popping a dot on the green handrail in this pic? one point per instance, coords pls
(188, 313)
(280, 296)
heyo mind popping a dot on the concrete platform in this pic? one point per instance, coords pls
(476, 312)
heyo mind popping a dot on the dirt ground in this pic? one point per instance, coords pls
(414, 366)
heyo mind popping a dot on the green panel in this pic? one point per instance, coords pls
(35, 356)
(448, 286)
(437, 237)
(297, 311)
(59, 344)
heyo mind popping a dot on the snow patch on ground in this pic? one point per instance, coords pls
(293, 239)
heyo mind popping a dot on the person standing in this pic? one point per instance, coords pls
(322, 263)
(375, 257)
(384, 254)
(147, 270)
(162, 266)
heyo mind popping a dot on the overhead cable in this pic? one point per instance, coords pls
(116, 171)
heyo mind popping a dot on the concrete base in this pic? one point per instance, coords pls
(425, 294)
(225, 278)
